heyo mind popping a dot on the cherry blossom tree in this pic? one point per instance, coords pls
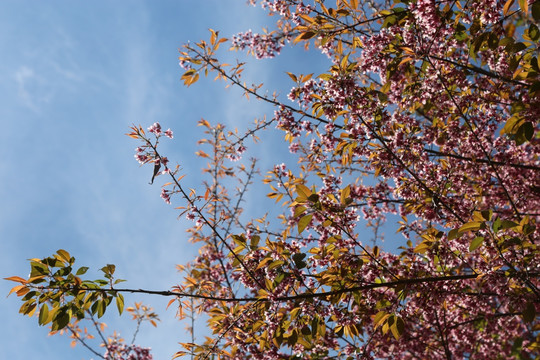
(426, 117)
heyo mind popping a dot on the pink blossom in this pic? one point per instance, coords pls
(165, 195)
(155, 129)
(141, 158)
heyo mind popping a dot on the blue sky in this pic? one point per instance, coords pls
(74, 76)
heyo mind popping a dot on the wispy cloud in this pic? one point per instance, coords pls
(32, 89)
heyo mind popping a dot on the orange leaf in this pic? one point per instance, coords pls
(507, 6)
(16, 279)
(16, 288)
(23, 291)
(524, 6)
(169, 303)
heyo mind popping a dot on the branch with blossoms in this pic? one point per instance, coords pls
(150, 154)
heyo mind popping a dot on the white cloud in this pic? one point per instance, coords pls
(32, 89)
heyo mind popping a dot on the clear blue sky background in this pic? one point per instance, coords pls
(74, 76)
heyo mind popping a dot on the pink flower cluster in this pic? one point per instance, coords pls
(262, 46)
(145, 153)
(235, 153)
(119, 351)
(156, 130)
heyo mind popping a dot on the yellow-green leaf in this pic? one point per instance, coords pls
(345, 194)
(64, 255)
(299, 211)
(471, 226)
(476, 243)
(43, 315)
(397, 327)
(303, 222)
(453, 234)
(379, 318)
(120, 303)
(303, 191)
(422, 247)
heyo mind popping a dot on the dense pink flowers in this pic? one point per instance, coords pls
(119, 351)
(405, 126)
(261, 45)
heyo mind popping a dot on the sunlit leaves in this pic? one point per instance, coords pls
(43, 315)
(120, 303)
(476, 243)
(304, 222)
(190, 77)
(61, 295)
(389, 322)
(471, 226)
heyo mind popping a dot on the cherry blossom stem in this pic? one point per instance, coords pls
(206, 221)
(83, 343)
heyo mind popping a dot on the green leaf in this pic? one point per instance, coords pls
(38, 269)
(304, 222)
(453, 234)
(534, 34)
(397, 327)
(82, 270)
(536, 11)
(471, 226)
(108, 269)
(43, 315)
(299, 260)
(423, 247)
(275, 264)
(487, 214)
(389, 21)
(97, 308)
(476, 243)
(507, 224)
(524, 133)
(299, 211)
(529, 313)
(239, 240)
(379, 318)
(61, 320)
(496, 225)
(307, 35)
(517, 47)
(64, 255)
(303, 192)
(120, 303)
(291, 340)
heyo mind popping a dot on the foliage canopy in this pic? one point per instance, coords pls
(428, 113)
